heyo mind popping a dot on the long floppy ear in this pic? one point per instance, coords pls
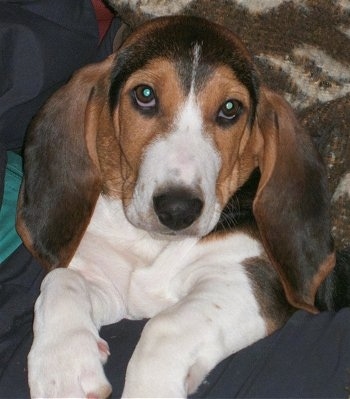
(291, 206)
(62, 179)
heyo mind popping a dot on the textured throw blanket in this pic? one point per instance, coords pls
(302, 48)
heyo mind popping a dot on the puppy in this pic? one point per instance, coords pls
(128, 169)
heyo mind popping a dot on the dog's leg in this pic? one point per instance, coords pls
(67, 355)
(179, 346)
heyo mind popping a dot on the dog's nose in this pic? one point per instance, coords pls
(177, 208)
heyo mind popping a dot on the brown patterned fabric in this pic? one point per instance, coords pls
(302, 48)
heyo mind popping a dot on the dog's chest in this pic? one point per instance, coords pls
(150, 274)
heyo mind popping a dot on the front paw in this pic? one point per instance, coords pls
(69, 365)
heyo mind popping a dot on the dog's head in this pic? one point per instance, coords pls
(173, 125)
(183, 95)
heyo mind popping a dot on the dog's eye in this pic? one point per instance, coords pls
(229, 111)
(144, 97)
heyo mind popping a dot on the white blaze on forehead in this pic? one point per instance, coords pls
(196, 57)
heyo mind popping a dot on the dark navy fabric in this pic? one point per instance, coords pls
(42, 43)
(20, 279)
(308, 358)
(3, 160)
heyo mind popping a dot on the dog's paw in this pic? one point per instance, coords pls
(70, 365)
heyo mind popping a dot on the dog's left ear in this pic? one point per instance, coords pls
(291, 206)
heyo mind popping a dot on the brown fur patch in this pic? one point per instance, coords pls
(231, 140)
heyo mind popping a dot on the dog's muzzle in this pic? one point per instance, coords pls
(177, 208)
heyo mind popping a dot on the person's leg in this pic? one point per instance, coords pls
(308, 358)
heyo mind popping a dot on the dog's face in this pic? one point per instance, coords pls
(183, 109)
(171, 126)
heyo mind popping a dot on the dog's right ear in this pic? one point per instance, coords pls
(291, 206)
(62, 179)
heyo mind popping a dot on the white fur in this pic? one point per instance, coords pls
(261, 6)
(157, 8)
(167, 7)
(343, 188)
(344, 4)
(199, 298)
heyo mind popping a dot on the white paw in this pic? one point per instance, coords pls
(68, 365)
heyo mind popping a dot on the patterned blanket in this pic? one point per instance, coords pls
(302, 49)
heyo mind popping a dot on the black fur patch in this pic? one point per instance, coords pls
(274, 306)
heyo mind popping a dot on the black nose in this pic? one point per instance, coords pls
(177, 208)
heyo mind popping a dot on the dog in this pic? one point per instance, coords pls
(129, 169)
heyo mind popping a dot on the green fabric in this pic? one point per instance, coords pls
(9, 239)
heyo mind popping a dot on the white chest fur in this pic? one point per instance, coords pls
(153, 274)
